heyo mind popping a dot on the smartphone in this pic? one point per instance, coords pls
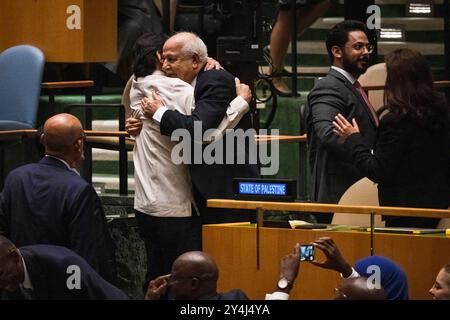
(307, 252)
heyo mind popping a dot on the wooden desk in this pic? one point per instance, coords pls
(43, 24)
(239, 249)
(233, 246)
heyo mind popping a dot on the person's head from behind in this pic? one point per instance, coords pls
(391, 277)
(358, 288)
(194, 276)
(147, 54)
(184, 55)
(410, 90)
(11, 266)
(348, 47)
(63, 137)
(441, 287)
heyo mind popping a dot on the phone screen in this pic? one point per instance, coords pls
(306, 252)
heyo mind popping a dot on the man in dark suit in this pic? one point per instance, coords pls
(184, 56)
(193, 277)
(49, 203)
(339, 92)
(45, 272)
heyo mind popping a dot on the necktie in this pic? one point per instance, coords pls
(369, 105)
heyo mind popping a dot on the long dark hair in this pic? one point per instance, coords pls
(144, 53)
(410, 91)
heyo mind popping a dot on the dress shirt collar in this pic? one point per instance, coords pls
(347, 75)
(194, 82)
(26, 282)
(158, 73)
(65, 163)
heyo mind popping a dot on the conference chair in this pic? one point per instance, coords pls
(375, 76)
(364, 193)
(444, 223)
(20, 86)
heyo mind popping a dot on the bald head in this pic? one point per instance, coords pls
(194, 276)
(358, 289)
(60, 137)
(196, 264)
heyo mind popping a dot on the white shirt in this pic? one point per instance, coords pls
(65, 163)
(345, 74)
(237, 108)
(277, 295)
(26, 282)
(162, 188)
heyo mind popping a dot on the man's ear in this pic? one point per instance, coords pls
(42, 139)
(15, 256)
(159, 56)
(195, 61)
(337, 52)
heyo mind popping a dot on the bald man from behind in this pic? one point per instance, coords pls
(49, 203)
(194, 276)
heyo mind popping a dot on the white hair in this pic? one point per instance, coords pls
(193, 45)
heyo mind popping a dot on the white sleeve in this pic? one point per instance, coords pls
(277, 295)
(354, 274)
(235, 111)
(237, 108)
(157, 116)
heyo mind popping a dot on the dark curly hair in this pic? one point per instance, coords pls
(144, 53)
(338, 35)
(410, 91)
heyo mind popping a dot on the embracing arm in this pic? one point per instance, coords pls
(389, 148)
(215, 91)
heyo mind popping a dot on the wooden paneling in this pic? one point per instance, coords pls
(42, 23)
(234, 249)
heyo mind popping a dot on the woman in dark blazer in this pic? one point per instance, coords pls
(411, 158)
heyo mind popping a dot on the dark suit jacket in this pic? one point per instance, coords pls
(47, 267)
(410, 163)
(46, 203)
(235, 294)
(332, 170)
(214, 90)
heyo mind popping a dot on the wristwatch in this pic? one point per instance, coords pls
(283, 283)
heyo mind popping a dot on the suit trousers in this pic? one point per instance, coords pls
(165, 239)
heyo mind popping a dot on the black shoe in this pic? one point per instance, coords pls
(268, 58)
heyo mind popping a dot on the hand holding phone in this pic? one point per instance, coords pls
(306, 252)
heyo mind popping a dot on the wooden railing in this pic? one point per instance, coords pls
(323, 207)
(261, 206)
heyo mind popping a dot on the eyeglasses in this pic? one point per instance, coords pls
(82, 137)
(360, 46)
